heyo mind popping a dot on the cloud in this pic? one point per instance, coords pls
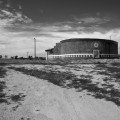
(13, 18)
(10, 15)
(12, 40)
(1, 2)
(17, 32)
(92, 20)
(2, 47)
(20, 43)
(7, 13)
(20, 7)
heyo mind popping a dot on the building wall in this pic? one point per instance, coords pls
(76, 47)
(57, 49)
(83, 48)
(87, 46)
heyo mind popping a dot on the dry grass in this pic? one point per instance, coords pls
(2, 85)
(115, 64)
(2, 72)
(17, 98)
(113, 71)
(68, 80)
(3, 97)
(56, 78)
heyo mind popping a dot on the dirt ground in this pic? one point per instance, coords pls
(33, 96)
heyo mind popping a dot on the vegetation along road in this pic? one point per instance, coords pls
(60, 92)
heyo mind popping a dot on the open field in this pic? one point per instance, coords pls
(60, 92)
(38, 61)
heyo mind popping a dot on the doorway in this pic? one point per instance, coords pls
(96, 54)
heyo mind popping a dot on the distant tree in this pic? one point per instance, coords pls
(6, 56)
(42, 58)
(12, 57)
(21, 57)
(36, 57)
(0, 56)
(16, 57)
(30, 57)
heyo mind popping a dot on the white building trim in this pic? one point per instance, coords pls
(81, 55)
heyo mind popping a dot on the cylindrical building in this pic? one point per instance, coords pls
(84, 48)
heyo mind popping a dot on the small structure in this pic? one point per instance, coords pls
(49, 52)
(79, 48)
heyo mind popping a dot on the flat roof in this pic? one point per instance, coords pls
(87, 39)
(49, 49)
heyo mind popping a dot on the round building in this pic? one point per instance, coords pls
(83, 48)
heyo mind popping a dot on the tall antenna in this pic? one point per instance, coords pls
(34, 47)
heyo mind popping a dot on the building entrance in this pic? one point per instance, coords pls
(96, 54)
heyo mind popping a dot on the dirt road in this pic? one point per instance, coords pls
(30, 98)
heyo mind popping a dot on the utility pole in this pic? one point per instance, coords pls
(34, 47)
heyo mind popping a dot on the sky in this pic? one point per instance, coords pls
(50, 21)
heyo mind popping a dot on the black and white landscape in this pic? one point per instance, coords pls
(56, 92)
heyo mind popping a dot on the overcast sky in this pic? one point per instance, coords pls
(50, 21)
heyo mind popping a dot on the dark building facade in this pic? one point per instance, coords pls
(83, 48)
